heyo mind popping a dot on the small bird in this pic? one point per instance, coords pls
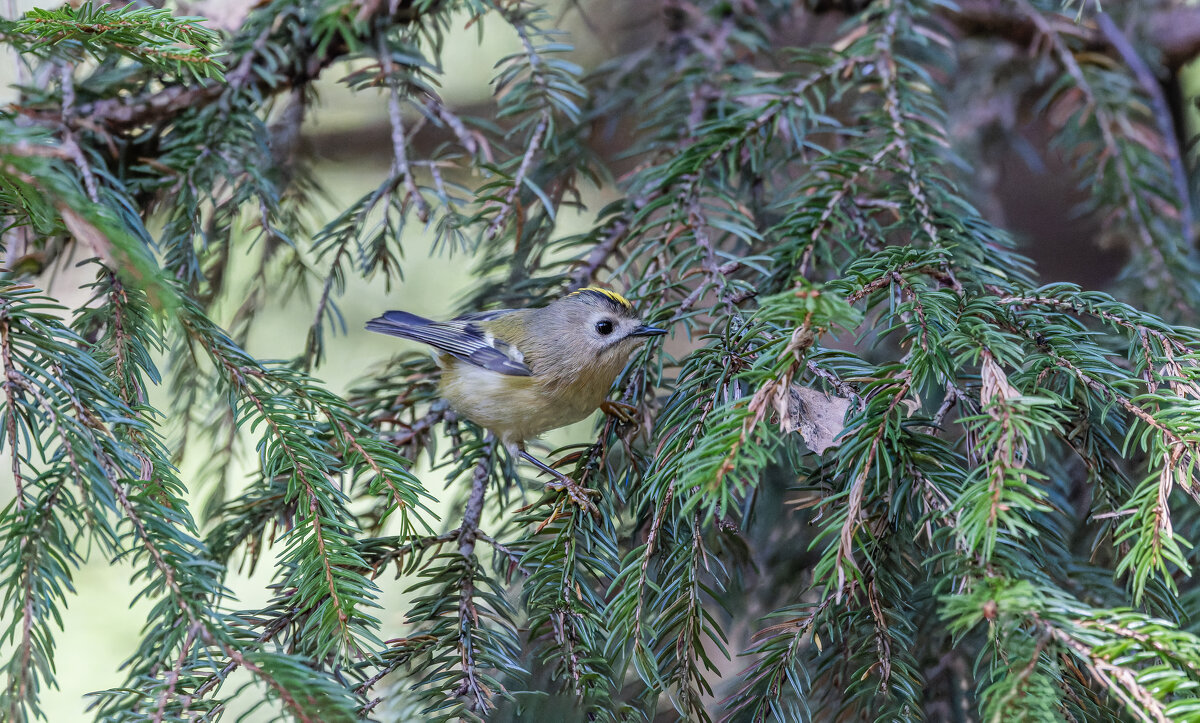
(521, 372)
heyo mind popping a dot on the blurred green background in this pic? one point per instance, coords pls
(348, 135)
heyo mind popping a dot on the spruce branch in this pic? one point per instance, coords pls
(1164, 251)
(1151, 88)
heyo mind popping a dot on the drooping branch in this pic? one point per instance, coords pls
(1174, 32)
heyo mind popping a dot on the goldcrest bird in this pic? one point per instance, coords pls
(522, 372)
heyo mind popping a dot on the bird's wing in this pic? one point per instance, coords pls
(461, 338)
(483, 315)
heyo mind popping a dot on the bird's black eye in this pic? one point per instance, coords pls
(604, 327)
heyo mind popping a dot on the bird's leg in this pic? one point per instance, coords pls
(626, 413)
(580, 495)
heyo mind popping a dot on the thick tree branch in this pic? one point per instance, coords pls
(1174, 32)
(127, 113)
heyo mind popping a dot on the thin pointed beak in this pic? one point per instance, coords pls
(647, 330)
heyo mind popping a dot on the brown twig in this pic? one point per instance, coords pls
(883, 643)
(600, 253)
(420, 543)
(472, 141)
(479, 693)
(532, 150)
(400, 165)
(11, 379)
(951, 398)
(888, 72)
(409, 648)
(172, 678)
(468, 532)
(69, 145)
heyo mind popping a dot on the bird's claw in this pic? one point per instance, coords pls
(626, 413)
(580, 495)
(559, 482)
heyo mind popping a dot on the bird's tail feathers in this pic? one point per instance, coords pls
(398, 323)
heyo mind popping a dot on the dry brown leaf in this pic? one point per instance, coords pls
(85, 231)
(817, 416)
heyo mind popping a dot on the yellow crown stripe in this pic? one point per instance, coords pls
(611, 295)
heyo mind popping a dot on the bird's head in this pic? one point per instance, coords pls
(597, 323)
